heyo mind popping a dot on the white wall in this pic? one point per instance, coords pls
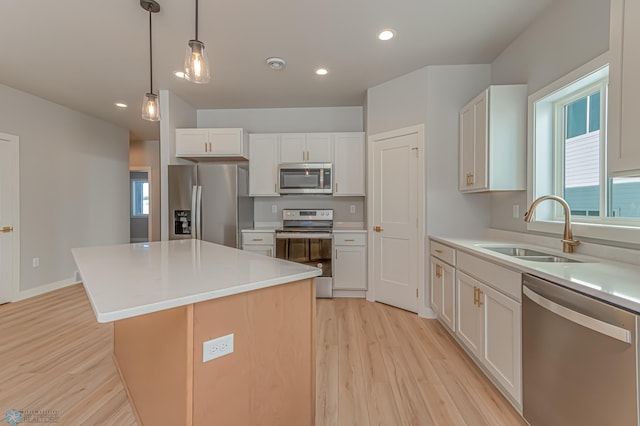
(567, 35)
(175, 113)
(434, 95)
(285, 120)
(147, 154)
(74, 185)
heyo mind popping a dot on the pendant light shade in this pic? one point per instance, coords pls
(196, 63)
(150, 110)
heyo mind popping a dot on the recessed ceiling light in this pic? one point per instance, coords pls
(276, 63)
(121, 105)
(385, 35)
(322, 71)
(179, 74)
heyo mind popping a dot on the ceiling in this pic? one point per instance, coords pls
(87, 55)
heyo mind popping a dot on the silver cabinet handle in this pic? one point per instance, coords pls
(594, 324)
(349, 239)
(257, 239)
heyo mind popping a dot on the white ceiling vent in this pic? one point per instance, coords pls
(276, 63)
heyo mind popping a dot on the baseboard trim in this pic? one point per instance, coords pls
(32, 292)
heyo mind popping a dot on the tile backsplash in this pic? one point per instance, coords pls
(342, 206)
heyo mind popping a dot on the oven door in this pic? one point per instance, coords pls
(312, 249)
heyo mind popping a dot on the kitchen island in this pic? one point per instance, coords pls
(167, 298)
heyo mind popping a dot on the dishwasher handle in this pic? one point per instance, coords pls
(594, 324)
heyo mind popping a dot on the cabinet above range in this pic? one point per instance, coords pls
(346, 151)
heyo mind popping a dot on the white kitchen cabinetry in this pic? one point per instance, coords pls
(259, 242)
(306, 147)
(489, 320)
(263, 169)
(212, 143)
(349, 261)
(623, 149)
(348, 164)
(493, 140)
(443, 285)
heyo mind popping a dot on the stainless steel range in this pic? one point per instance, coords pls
(306, 238)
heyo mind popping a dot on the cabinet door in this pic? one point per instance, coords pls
(502, 354)
(470, 325)
(225, 141)
(623, 154)
(191, 142)
(436, 285)
(260, 249)
(292, 148)
(348, 164)
(319, 148)
(349, 268)
(263, 168)
(474, 127)
(448, 312)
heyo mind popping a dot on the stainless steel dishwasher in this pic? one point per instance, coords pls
(579, 358)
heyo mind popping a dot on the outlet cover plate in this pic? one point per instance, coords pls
(215, 348)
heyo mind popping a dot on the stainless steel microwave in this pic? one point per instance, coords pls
(305, 178)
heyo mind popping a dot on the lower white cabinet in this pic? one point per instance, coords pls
(349, 261)
(259, 242)
(489, 326)
(443, 291)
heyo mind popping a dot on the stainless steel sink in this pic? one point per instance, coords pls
(532, 255)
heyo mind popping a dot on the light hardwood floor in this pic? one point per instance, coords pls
(377, 365)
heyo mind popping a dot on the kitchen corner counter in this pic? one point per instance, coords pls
(128, 280)
(615, 282)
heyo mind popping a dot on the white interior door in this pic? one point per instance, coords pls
(395, 226)
(9, 208)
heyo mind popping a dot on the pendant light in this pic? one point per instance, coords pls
(150, 105)
(196, 63)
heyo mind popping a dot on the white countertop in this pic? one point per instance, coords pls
(615, 282)
(128, 280)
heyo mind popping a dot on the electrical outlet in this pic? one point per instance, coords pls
(36, 262)
(352, 208)
(516, 211)
(274, 208)
(218, 347)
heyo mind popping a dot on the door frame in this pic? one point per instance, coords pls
(15, 287)
(146, 169)
(422, 287)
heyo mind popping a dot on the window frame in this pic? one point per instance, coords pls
(541, 149)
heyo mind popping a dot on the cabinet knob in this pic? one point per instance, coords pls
(469, 179)
(6, 229)
(378, 229)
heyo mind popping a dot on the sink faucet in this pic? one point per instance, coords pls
(568, 243)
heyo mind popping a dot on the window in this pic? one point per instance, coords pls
(568, 142)
(139, 197)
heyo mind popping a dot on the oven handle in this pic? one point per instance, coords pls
(594, 324)
(303, 236)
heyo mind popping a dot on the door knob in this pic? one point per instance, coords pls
(377, 229)
(6, 229)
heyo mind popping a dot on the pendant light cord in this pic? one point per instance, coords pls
(196, 19)
(150, 55)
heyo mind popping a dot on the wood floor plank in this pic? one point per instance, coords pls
(375, 365)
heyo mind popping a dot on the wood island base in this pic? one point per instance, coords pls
(269, 379)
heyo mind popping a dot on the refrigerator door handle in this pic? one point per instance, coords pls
(199, 213)
(194, 205)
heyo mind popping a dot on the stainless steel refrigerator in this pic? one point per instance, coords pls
(210, 201)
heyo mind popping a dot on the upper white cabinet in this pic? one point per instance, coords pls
(623, 149)
(348, 164)
(263, 169)
(306, 147)
(212, 143)
(493, 140)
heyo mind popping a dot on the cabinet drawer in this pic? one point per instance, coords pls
(257, 238)
(502, 279)
(350, 239)
(442, 252)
